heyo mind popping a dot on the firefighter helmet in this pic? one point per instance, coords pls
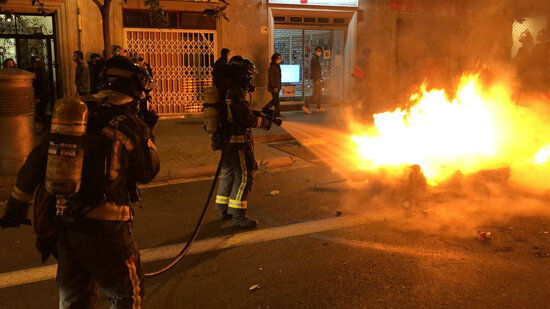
(240, 71)
(123, 75)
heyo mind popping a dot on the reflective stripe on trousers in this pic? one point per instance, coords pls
(97, 253)
(236, 180)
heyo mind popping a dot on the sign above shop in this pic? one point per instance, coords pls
(345, 3)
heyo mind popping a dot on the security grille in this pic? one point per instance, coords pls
(182, 62)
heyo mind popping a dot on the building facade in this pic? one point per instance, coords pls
(409, 40)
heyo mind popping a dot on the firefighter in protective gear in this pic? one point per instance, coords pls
(239, 163)
(94, 243)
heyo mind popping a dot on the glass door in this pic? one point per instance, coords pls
(297, 46)
(312, 40)
(26, 36)
(290, 44)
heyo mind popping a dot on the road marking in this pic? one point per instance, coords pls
(37, 274)
(409, 250)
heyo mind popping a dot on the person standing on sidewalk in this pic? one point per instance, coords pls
(239, 164)
(141, 61)
(274, 84)
(9, 63)
(95, 65)
(218, 75)
(82, 77)
(42, 94)
(316, 76)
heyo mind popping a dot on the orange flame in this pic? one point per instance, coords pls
(478, 129)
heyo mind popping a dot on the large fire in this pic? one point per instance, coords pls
(480, 128)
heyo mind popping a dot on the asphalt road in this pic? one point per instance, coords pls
(406, 255)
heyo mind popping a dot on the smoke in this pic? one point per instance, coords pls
(437, 44)
(461, 207)
(479, 39)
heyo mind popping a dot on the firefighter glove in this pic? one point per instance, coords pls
(15, 214)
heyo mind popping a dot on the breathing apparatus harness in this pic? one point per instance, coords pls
(213, 125)
(242, 70)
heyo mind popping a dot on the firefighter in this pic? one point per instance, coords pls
(94, 238)
(239, 163)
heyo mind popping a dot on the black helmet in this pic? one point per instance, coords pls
(123, 75)
(240, 71)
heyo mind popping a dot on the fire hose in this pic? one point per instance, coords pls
(195, 233)
(183, 251)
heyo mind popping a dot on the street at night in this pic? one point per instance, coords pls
(324, 243)
(274, 154)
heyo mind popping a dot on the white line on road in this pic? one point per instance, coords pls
(37, 274)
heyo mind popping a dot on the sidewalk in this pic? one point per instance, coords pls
(185, 152)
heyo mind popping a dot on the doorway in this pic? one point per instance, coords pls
(25, 36)
(297, 46)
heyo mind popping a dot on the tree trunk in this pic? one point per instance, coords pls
(105, 14)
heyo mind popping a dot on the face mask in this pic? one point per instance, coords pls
(278, 61)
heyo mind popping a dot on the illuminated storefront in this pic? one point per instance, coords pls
(297, 28)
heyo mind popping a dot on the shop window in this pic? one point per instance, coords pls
(296, 47)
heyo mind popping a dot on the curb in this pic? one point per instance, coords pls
(273, 138)
(210, 170)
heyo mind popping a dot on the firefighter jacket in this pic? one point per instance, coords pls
(119, 153)
(240, 117)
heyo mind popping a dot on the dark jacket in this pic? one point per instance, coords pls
(218, 74)
(274, 75)
(240, 117)
(316, 72)
(95, 79)
(120, 155)
(82, 78)
(41, 86)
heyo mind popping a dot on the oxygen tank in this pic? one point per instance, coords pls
(65, 153)
(211, 113)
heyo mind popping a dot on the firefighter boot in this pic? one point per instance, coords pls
(222, 209)
(240, 219)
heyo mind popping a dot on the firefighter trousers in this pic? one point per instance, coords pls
(236, 180)
(100, 254)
